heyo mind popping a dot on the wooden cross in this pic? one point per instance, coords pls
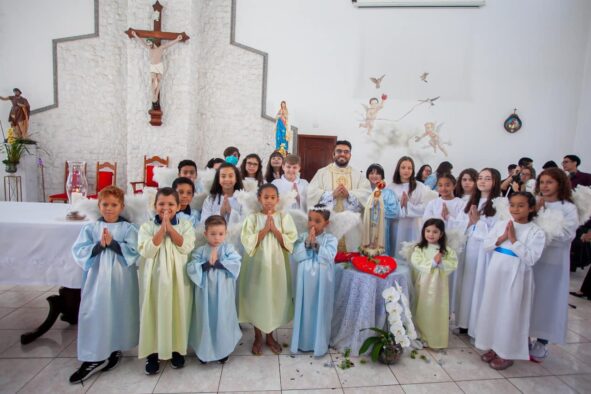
(157, 35)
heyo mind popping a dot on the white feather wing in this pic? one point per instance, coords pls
(582, 199)
(501, 205)
(300, 219)
(407, 249)
(552, 222)
(248, 201)
(286, 200)
(428, 195)
(198, 200)
(250, 185)
(343, 223)
(88, 208)
(165, 176)
(206, 178)
(456, 240)
(139, 207)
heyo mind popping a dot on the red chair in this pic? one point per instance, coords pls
(149, 164)
(106, 175)
(63, 197)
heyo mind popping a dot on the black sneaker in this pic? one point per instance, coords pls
(152, 364)
(113, 360)
(86, 370)
(177, 361)
(223, 360)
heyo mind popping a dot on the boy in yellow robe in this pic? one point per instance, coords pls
(166, 296)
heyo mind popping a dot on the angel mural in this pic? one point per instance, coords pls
(282, 132)
(435, 142)
(371, 112)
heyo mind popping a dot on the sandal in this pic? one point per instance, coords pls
(500, 363)
(577, 294)
(488, 356)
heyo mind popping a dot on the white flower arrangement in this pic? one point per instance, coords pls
(399, 316)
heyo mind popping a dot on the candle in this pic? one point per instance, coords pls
(75, 196)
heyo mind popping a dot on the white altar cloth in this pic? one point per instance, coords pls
(36, 245)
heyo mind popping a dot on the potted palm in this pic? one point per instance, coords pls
(14, 150)
(389, 342)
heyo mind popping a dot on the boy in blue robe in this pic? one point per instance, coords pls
(108, 320)
(213, 269)
(186, 190)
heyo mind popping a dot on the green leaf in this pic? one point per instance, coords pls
(369, 342)
(380, 331)
(375, 353)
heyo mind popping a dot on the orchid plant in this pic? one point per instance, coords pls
(398, 329)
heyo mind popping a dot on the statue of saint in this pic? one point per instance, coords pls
(156, 65)
(19, 114)
(282, 131)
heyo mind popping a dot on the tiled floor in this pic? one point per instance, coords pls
(45, 365)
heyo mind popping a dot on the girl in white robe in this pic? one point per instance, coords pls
(445, 207)
(221, 200)
(465, 187)
(550, 310)
(503, 322)
(479, 216)
(413, 197)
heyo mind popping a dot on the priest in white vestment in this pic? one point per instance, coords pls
(339, 186)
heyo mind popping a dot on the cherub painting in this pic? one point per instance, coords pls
(371, 112)
(434, 139)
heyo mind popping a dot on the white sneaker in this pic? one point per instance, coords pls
(538, 352)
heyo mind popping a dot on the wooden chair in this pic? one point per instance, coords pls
(106, 175)
(63, 197)
(149, 164)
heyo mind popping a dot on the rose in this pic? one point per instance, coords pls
(384, 96)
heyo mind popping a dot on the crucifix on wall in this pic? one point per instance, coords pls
(156, 49)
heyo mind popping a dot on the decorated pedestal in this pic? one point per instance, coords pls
(28, 171)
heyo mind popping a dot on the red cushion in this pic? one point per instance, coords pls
(105, 178)
(345, 257)
(380, 266)
(149, 181)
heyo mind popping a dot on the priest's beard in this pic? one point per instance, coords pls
(341, 162)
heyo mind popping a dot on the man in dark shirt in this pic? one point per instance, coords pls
(570, 164)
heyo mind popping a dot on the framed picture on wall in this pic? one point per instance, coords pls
(418, 3)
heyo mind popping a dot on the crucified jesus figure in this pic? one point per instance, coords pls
(156, 65)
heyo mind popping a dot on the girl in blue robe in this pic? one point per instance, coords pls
(108, 321)
(213, 269)
(314, 252)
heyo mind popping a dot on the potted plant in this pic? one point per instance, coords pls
(14, 149)
(388, 344)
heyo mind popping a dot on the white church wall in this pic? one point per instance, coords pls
(90, 123)
(582, 141)
(482, 62)
(26, 30)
